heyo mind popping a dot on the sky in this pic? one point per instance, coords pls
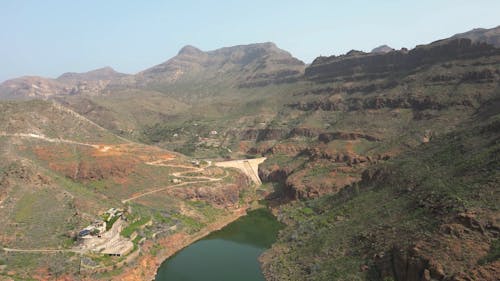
(50, 37)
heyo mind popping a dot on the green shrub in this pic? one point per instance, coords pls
(127, 231)
(110, 223)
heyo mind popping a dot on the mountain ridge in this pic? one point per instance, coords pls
(486, 35)
(392, 156)
(254, 62)
(103, 73)
(255, 65)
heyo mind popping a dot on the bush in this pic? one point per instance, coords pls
(110, 223)
(127, 231)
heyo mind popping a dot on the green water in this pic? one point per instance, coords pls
(229, 254)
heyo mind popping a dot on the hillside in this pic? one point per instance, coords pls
(60, 173)
(489, 36)
(246, 65)
(105, 73)
(382, 164)
(429, 214)
(332, 124)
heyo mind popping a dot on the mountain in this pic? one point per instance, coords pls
(105, 73)
(383, 165)
(247, 65)
(88, 83)
(241, 66)
(31, 87)
(382, 49)
(377, 64)
(489, 36)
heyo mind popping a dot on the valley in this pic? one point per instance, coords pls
(382, 165)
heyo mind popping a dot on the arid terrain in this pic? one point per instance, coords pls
(384, 165)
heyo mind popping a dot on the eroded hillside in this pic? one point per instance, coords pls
(61, 172)
(384, 165)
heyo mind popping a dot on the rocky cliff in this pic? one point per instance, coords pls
(490, 36)
(357, 64)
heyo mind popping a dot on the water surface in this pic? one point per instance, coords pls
(229, 254)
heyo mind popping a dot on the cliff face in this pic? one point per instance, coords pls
(377, 65)
(428, 214)
(360, 213)
(490, 36)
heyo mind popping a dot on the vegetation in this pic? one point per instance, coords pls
(111, 222)
(404, 160)
(412, 196)
(493, 254)
(131, 228)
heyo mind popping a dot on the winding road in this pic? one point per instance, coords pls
(248, 167)
(179, 175)
(10, 250)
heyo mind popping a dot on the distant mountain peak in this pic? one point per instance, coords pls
(189, 50)
(383, 49)
(103, 73)
(104, 69)
(253, 64)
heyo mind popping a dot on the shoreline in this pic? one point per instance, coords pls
(146, 266)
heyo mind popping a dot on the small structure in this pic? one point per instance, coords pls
(98, 227)
(112, 213)
(213, 132)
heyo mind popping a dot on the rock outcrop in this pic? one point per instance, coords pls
(378, 65)
(220, 196)
(489, 36)
(328, 137)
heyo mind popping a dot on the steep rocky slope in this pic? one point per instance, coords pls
(490, 36)
(344, 123)
(355, 65)
(429, 214)
(250, 65)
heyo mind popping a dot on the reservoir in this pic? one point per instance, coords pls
(226, 255)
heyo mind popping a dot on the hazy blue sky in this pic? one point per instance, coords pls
(50, 37)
